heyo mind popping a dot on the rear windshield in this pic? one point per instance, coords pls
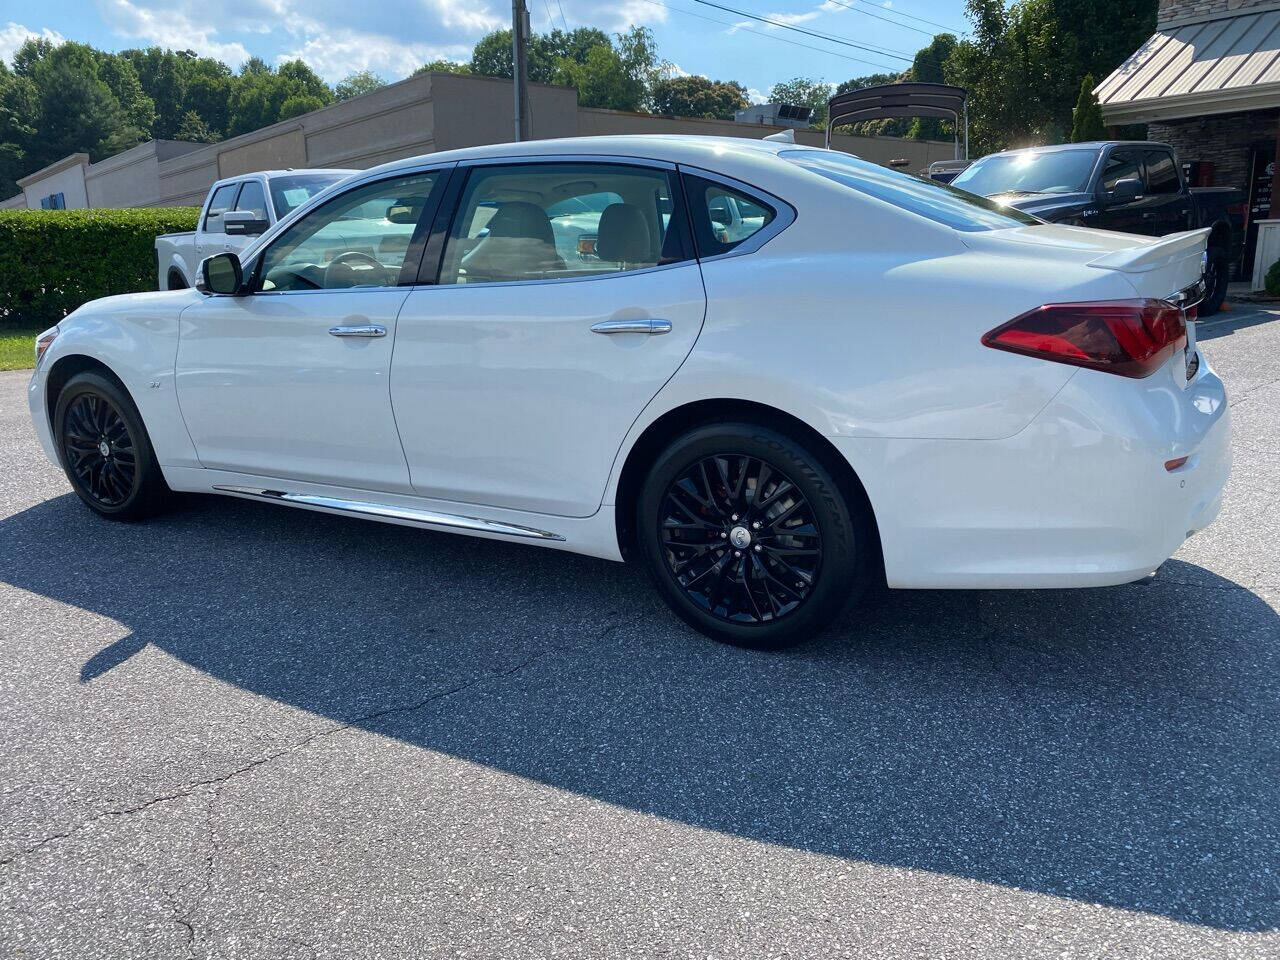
(927, 198)
(293, 191)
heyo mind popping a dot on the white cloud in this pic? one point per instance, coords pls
(336, 54)
(609, 17)
(15, 35)
(170, 28)
(756, 96)
(463, 15)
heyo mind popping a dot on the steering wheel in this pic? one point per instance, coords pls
(346, 261)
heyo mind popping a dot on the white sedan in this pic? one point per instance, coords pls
(877, 379)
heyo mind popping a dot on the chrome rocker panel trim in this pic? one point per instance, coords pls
(408, 514)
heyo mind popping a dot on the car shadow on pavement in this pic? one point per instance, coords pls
(1112, 746)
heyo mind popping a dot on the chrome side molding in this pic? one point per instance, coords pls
(430, 518)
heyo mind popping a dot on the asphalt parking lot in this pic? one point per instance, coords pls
(245, 731)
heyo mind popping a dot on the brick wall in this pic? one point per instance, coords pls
(1222, 140)
(1182, 9)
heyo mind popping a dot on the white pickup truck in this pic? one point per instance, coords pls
(235, 211)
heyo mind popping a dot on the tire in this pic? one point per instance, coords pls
(1217, 279)
(126, 482)
(745, 581)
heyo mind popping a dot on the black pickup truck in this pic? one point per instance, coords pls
(1133, 187)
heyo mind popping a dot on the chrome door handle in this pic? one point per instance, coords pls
(359, 330)
(651, 327)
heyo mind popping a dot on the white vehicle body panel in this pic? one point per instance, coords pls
(983, 468)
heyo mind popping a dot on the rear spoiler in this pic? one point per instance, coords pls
(1152, 256)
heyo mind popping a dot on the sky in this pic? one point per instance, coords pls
(392, 37)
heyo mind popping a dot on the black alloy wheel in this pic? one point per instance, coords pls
(740, 538)
(99, 449)
(748, 536)
(1216, 281)
(105, 450)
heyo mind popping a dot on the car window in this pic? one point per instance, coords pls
(219, 204)
(290, 192)
(1162, 175)
(939, 202)
(357, 239)
(723, 217)
(1028, 171)
(252, 199)
(546, 221)
(1121, 165)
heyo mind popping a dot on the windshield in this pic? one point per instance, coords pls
(939, 202)
(287, 193)
(1055, 171)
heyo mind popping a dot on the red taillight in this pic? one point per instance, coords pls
(1129, 337)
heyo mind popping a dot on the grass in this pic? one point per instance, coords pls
(17, 347)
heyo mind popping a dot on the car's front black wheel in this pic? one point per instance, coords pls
(749, 537)
(105, 450)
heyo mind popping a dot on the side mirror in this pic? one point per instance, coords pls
(1125, 190)
(221, 274)
(243, 223)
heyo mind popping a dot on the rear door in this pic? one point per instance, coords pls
(520, 365)
(1169, 204)
(1124, 163)
(251, 199)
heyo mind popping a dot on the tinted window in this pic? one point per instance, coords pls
(1162, 176)
(723, 217)
(293, 191)
(935, 201)
(357, 239)
(1121, 165)
(252, 199)
(544, 221)
(1052, 171)
(219, 204)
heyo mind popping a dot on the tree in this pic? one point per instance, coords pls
(491, 57)
(443, 66)
(928, 66)
(804, 92)
(1087, 123)
(696, 96)
(75, 110)
(19, 106)
(193, 129)
(355, 84)
(1023, 63)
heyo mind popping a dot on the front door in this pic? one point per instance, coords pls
(567, 296)
(1131, 216)
(291, 380)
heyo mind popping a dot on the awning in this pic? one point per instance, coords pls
(1223, 64)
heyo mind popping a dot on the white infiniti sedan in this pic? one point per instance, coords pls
(877, 378)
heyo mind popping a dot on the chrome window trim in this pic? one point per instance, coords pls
(612, 158)
(785, 212)
(604, 275)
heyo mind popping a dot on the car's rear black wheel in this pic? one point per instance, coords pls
(749, 537)
(105, 450)
(1216, 279)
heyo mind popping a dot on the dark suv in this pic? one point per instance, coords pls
(1133, 187)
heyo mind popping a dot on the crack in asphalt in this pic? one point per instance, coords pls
(212, 786)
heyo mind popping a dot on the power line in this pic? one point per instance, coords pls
(868, 13)
(830, 38)
(770, 36)
(562, 19)
(896, 12)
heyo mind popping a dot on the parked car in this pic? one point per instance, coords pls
(873, 378)
(1133, 187)
(235, 211)
(944, 171)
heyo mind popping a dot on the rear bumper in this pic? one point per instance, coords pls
(1079, 498)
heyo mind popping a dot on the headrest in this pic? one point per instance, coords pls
(623, 235)
(519, 218)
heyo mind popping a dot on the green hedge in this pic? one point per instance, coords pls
(52, 261)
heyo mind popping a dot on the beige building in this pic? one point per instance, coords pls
(422, 114)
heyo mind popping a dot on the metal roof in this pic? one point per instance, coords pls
(1223, 64)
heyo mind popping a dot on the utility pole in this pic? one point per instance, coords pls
(520, 66)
